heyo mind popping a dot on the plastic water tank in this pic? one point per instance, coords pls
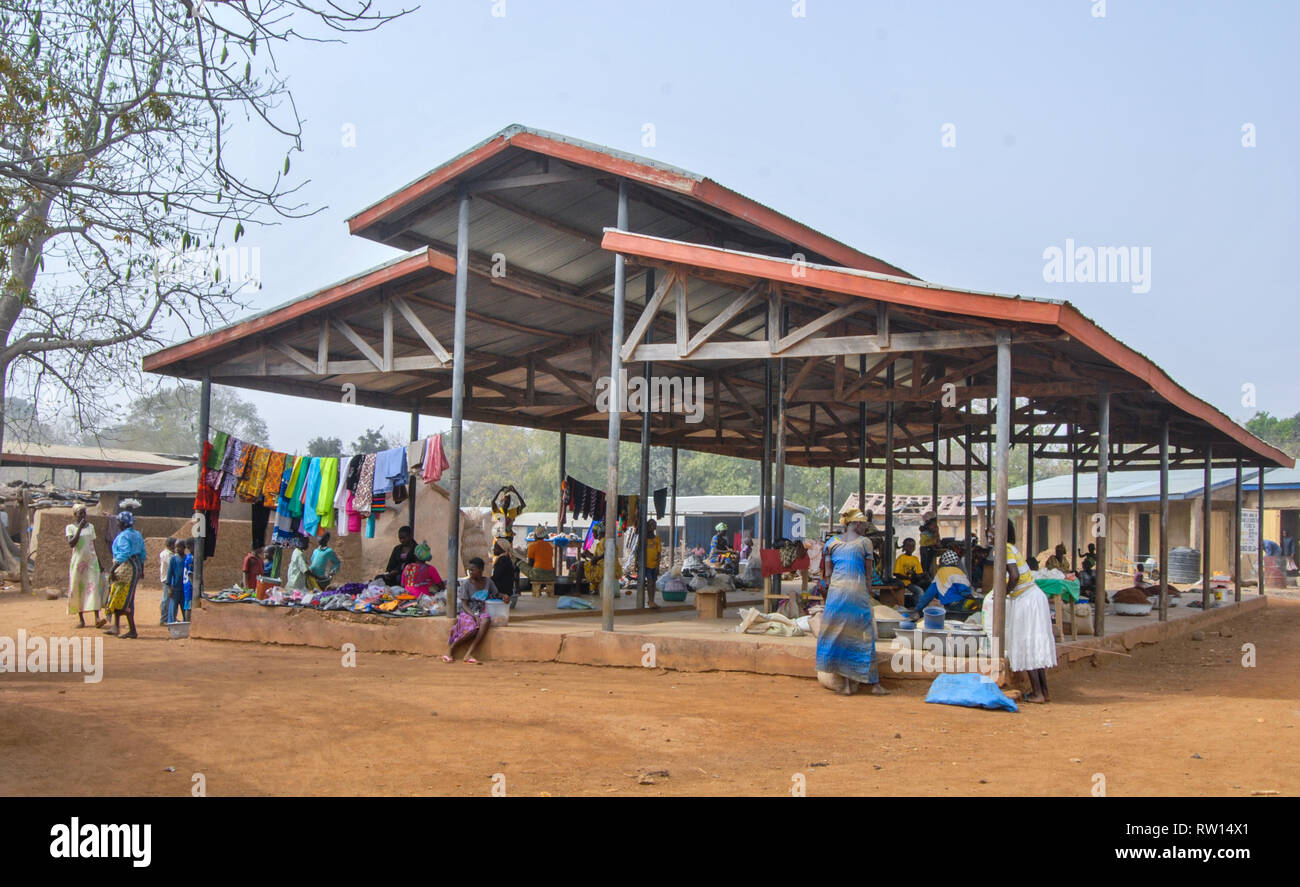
(1184, 566)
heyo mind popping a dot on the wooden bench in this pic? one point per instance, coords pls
(541, 588)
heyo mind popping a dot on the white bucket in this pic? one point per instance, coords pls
(499, 612)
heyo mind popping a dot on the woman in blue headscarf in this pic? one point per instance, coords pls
(128, 566)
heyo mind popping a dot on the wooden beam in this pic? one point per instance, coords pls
(647, 315)
(724, 317)
(416, 324)
(816, 326)
(296, 356)
(362, 345)
(934, 340)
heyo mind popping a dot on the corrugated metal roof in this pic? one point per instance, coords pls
(176, 482)
(17, 451)
(1129, 486)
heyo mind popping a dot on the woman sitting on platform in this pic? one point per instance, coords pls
(472, 621)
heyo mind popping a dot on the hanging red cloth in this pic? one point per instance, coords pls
(206, 497)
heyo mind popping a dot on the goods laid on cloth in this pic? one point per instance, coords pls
(970, 690)
(357, 597)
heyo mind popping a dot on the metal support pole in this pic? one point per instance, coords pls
(1259, 536)
(778, 485)
(1030, 549)
(1207, 515)
(934, 469)
(410, 507)
(644, 490)
(1164, 519)
(672, 507)
(609, 587)
(205, 419)
(1103, 509)
(862, 441)
(1236, 535)
(458, 358)
(966, 506)
(564, 473)
(887, 563)
(764, 534)
(1005, 407)
(1074, 499)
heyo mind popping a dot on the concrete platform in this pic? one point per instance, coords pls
(655, 639)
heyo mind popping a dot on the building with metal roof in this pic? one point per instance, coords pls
(545, 267)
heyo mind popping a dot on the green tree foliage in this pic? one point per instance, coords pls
(1281, 433)
(374, 440)
(324, 446)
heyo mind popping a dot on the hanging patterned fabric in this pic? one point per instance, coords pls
(250, 488)
(365, 491)
(274, 481)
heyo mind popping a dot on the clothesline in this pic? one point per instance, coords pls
(587, 501)
(309, 493)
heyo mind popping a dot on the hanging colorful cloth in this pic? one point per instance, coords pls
(250, 488)
(310, 494)
(329, 482)
(206, 498)
(230, 468)
(435, 460)
(365, 490)
(274, 480)
(340, 503)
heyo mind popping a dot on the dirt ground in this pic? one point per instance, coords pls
(1184, 717)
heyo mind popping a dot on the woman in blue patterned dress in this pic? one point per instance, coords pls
(846, 644)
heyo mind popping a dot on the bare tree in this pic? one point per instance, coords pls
(120, 207)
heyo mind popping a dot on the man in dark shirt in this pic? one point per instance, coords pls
(403, 554)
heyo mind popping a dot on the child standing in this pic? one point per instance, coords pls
(174, 593)
(164, 564)
(189, 578)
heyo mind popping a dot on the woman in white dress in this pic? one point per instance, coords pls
(1028, 640)
(84, 569)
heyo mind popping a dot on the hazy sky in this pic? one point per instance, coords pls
(1116, 131)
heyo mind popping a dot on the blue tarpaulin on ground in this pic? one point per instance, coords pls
(971, 690)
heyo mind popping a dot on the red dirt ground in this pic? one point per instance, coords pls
(263, 720)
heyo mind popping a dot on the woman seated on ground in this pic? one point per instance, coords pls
(951, 585)
(325, 564)
(472, 621)
(422, 577)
